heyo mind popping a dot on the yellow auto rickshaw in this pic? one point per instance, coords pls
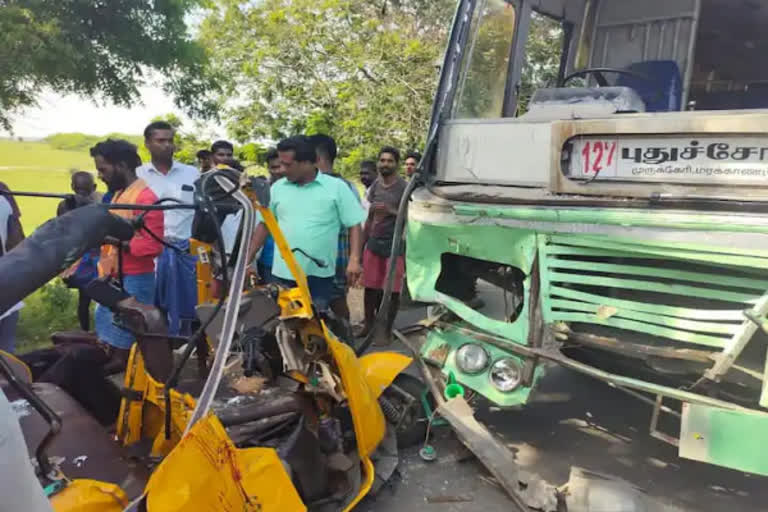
(277, 415)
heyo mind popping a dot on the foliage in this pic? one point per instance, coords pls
(542, 58)
(170, 118)
(482, 92)
(251, 152)
(101, 48)
(51, 308)
(361, 71)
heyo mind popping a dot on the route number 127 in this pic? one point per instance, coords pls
(597, 155)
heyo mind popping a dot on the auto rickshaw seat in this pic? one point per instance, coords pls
(69, 337)
(19, 368)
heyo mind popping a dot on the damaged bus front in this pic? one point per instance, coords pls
(596, 196)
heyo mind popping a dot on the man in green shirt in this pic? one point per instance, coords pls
(311, 207)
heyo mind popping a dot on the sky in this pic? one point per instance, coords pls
(57, 113)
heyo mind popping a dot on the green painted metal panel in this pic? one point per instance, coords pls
(676, 311)
(558, 269)
(479, 382)
(688, 337)
(677, 323)
(575, 250)
(681, 275)
(602, 216)
(427, 242)
(632, 244)
(516, 331)
(650, 286)
(734, 439)
(661, 250)
(562, 264)
(544, 284)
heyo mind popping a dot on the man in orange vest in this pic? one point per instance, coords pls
(116, 162)
(80, 368)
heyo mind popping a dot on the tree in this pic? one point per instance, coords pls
(170, 118)
(482, 89)
(252, 152)
(362, 71)
(542, 58)
(482, 92)
(99, 48)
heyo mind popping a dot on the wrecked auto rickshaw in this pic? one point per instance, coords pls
(613, 221)
(280, 416)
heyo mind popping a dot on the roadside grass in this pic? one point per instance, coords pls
(36, 167)
(49, 309)
(36, 210)
(41, 155)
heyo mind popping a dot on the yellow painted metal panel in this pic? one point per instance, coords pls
(363, 404)
(89, 496)
(206, 472)
(381, 368)
(264, 476)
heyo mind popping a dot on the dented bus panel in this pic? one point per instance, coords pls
(617, 226)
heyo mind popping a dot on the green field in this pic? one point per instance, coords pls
(37, 167)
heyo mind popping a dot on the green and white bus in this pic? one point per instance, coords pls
(610, 216)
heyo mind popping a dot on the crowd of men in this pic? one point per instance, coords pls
(339, 237)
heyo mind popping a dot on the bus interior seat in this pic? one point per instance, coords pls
(663, 92)
(756, 96)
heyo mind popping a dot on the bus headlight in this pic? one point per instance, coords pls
(506, 374)
(472, 358)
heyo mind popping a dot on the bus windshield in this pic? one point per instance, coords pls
(675, 54)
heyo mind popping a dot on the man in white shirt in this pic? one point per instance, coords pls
(176, 283)
(168, 178)
(10, 318)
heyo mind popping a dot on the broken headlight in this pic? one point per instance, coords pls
(472, 358)
(506, 374)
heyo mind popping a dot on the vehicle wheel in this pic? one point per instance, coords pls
(405, 395)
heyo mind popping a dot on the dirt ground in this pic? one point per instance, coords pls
(355, 302)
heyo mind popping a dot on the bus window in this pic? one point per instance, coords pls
(729, 71)
(543, 56)
(481, 90)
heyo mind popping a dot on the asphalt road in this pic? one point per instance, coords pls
(572, 420)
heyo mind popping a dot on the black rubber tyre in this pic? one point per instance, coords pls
(413, 428)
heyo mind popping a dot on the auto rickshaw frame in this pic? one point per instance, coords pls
(226, 477)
